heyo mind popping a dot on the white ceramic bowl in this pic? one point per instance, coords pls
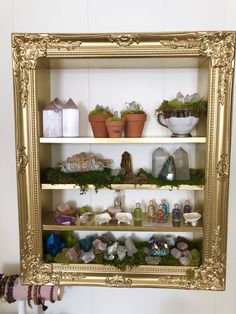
(180, 122)
(102, 218)
(192, 218)
(124, 217)
(181, 126)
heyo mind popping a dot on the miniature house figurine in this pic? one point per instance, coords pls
(70, 119)
(52, 121)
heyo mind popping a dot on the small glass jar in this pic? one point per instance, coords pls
(176, 213)
(160, 216)
(187, 207)
(165, 206)
(151, 211)
(138, 213)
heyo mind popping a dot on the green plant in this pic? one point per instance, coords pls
(114, 119)
(132, 107)
(192, 102)
(100, 110)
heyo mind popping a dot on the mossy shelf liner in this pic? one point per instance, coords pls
(130, 262)
(104, 179)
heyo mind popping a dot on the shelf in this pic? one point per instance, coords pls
(122, 140)
(124, 187)
(50, 224)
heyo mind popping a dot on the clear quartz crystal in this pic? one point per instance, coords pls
(181, 164)
(159, 157)
(168, 171)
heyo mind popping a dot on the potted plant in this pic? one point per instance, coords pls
(181, 114)
(115, 125)
(135, 119)
(97, 119)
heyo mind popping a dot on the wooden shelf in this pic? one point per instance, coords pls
(124, 187)
(50, 224)
(122, 140)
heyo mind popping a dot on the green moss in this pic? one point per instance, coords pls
(99, 111)
(104, 179)
(169, 260)
(200, 105)
(128, 262)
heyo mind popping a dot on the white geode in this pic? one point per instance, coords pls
(131, 249)
(121, 252)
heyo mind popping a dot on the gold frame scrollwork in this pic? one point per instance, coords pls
(218, 49)
(222, 167)
(124, 40)
(21, 159)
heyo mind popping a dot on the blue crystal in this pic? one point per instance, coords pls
(86, 244)
(53, 244)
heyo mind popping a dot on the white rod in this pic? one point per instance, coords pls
(21, 307)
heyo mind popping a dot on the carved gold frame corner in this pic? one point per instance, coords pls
(219, 49)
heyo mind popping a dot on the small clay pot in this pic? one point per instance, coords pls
(134, 123)
(115, 128)
(98, 124)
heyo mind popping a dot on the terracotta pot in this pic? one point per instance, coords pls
(115, 128)
(98, 124)
(134, 123)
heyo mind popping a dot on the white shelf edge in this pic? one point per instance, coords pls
(121, 140)
(124, 187)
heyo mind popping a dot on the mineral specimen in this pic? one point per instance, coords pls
(84, 162)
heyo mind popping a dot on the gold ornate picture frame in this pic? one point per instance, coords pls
(32, 52)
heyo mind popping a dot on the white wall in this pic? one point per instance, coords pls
(106, 16)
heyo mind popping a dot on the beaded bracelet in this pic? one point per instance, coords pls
(35, 295)
(3, 286)
(4, 297)
(10, 286)
(29, 297)
(51, 294)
